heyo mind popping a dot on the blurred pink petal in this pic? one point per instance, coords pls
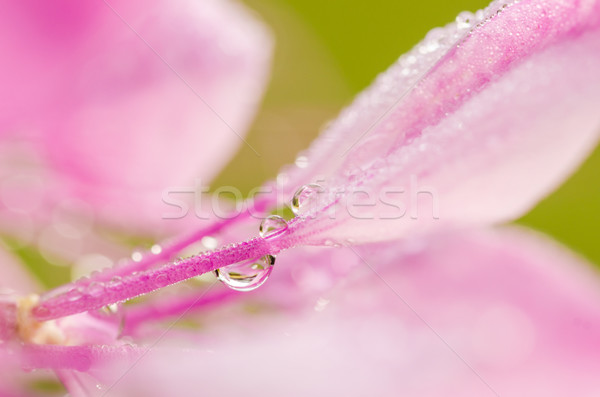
(477, 137)
(14, 276)
(523, 313)
(116, 119)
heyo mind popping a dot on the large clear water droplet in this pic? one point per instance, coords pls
(306, 198)
(247, 275)
(272, 226)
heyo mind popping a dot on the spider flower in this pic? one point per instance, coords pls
(394, 277)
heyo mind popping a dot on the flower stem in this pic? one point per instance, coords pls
(168, 252)
(90, 297)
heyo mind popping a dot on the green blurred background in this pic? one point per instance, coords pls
(328, 51)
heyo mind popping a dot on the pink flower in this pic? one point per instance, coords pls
(422, 295)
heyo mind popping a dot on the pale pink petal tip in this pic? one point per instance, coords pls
(474, 126)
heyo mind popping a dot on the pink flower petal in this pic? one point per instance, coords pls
(477, 137)
(126, 100)
(465, 314)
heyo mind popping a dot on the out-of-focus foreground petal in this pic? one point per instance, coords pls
(115, 102)
(14, 276)
(477, 137)
(470, 314)
(14, 279)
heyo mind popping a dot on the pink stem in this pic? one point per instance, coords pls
(90, 297)
(168, 252)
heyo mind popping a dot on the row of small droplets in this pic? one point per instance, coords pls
(251, 274)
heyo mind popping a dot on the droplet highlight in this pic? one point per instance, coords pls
(465, 20)
(156, 249)
(209, 242)
(137, 256)
(110, 310)
(113, 314)
(301, 162)
(272, 226)
(115, 282)
(306, 198)
(73, 295)
(247, 275)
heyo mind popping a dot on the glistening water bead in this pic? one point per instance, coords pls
(306, 198)
(272, 226)
(246, 275)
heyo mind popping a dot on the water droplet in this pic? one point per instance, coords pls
(115, 281)
(95, 289)
(111, 309)
(82, 280)
(464, 20)
(114, 314)
(430, 46)
(331, 243)
(247, 275)
(282, 179)
(190, 271)
(306, 198)
(73, 294)
(136, 256)
(301, 161)
(272, 226)
(321, 304)
(156, 249)
(41, 311)
(129, 347)
(161, 280)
